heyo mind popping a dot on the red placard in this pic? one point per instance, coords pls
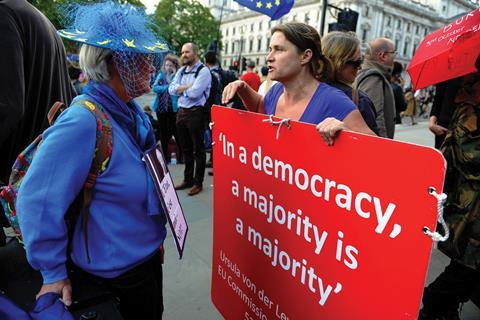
(307, 231)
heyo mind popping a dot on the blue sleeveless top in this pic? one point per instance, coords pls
(326, 102)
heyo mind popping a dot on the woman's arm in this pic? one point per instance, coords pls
(250, 98)
(55, 177)
(437, 129)
(329, 127)
(158, 87)
(175, 84)
(354, 122)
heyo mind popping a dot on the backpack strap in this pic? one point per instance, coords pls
(57, 108)
(101, 158)
(206, 94)
(368, 73)
(184, 68)
(200, 67)
(103, 145)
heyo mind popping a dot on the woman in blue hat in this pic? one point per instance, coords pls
(117, 238)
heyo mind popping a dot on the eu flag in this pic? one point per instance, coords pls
(275, 9)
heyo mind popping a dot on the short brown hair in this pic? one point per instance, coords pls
(306, 37)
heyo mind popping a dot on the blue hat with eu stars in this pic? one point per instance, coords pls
(118, 27)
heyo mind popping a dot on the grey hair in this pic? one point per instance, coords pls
(94, 62)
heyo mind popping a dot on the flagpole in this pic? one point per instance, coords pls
(324, 14)
(220, 21)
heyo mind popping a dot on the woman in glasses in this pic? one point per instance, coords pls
(296, 61)
(343, 50)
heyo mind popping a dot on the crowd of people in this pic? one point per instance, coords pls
(326, 81)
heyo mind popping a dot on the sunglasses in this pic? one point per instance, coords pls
(355, 63)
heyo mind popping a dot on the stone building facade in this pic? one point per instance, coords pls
(246, 34)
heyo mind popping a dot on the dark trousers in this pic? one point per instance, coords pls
(168, 128)
(208, 119)
(3, 238)
(18, 279)
(139, 290)
(398, 118)
(3, 224)
(191, 129)
(453, 286)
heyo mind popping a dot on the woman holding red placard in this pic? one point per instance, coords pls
(297, 62)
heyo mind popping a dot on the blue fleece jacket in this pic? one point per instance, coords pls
(122, 231)
(160, 87)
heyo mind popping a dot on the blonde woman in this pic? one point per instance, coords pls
(343, 50)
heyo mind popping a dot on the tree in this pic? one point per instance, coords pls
(51, 8)
(182, 21)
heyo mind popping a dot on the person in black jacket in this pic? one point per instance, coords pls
(34, 76)
(398, 94)
(460, 281)
(442, 109)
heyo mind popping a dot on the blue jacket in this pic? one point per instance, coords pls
(160, 87)
(123, 229)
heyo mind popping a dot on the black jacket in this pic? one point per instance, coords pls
(443, 105)
(33, 77)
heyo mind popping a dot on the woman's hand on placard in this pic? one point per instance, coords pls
(329, 128)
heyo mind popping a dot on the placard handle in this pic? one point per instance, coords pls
(436, 236)
(279, 123)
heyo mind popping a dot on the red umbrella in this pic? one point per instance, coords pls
(447, 53)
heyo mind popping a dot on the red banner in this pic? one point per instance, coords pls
(307, 231)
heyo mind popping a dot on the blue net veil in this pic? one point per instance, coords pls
(124, 29)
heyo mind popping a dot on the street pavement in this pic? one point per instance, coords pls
(187, 282)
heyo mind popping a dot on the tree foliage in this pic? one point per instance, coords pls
(182, 21)
(50, 8)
